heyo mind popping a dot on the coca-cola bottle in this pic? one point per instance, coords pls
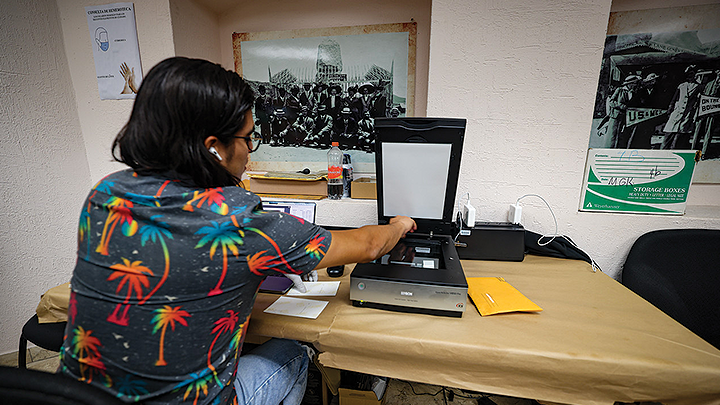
(335, 178)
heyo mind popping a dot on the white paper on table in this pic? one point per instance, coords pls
(317, 289)
(296, 307)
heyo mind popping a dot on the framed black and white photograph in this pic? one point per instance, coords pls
(319, 86)
(659, 86)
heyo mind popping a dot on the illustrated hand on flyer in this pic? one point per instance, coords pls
(129, 75)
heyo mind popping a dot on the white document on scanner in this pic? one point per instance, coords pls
(415, 179)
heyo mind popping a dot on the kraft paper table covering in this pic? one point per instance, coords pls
(595, 342)
(53, 306)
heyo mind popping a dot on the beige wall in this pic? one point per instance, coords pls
(45, 174)
(56, 137)
(102, 119)
(280, 15)
(195, 30)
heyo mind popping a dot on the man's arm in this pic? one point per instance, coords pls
(365, 244)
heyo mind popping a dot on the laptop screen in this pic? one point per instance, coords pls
(304, 210)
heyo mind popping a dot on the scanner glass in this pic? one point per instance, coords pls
(418, 253)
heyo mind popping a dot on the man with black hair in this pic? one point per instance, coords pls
(171, 253)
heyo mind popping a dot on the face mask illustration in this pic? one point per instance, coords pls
(101, 37)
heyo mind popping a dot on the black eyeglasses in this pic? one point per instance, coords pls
(253, 141)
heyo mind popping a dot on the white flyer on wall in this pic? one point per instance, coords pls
(115, 48)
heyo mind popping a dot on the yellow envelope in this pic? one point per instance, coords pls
(494, 295)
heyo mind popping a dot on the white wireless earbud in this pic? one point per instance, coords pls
(215, 152)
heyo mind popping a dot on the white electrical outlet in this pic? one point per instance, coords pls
(469, 215)
(515, 213)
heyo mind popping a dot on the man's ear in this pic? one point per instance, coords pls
(211, 141)
(212, 144)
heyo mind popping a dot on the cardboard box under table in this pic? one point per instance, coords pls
(359, 397)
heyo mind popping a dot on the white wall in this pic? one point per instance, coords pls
(524, 73)
(165, 28)
(101, 120)
(45, 174)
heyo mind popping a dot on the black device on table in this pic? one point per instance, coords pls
(335, 271)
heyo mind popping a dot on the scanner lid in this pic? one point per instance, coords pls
(417, 163)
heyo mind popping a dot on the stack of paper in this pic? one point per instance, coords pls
(301, 307)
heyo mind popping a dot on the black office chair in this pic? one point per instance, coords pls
(32, 387)
(678, 271)
(49, 336)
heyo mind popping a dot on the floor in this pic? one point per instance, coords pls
(399, 392)
(37, 359)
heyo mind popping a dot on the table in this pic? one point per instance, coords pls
(596, 342)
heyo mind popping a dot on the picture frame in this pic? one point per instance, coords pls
(323, 85)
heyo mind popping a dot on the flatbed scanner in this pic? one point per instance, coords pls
(417, 163)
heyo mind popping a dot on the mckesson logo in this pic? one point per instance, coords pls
(406, 293)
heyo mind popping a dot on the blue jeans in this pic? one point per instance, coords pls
(273, 372)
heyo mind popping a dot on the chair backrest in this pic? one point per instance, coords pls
(32, 387)
(678, 271)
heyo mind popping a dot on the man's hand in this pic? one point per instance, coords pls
(407, 223)
(311, 276)
(366, 243)
(298, 280)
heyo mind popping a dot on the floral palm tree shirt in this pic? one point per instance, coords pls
(165, 281)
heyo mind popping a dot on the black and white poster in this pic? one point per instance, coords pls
(660, 90)
(315, 87)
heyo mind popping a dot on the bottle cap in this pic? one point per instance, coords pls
(336, 144)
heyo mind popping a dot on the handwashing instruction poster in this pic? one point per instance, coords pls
(115, 49)
(637, 181)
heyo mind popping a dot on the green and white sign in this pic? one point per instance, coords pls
(637, 181)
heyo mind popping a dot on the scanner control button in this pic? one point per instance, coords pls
(361, 286)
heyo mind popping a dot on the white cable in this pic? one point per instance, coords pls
(552, 237)
(551, 212)
(594, 265)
